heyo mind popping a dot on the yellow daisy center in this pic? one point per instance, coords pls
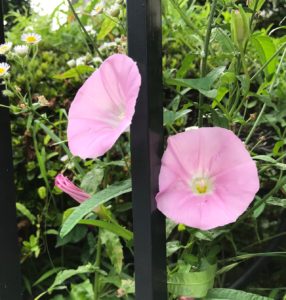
(31, 39)
(2, 71)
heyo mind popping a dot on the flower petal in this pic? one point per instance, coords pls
(217, 155)
(103, 107)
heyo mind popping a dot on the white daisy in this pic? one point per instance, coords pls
(4, 48)
(71, 63)
(80, 61)
(107, 45)
(98, 8)
(21, 49)
(114, 10)
(31, 38)
(4, 67)
(97, 60)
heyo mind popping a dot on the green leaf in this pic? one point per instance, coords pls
(86, 207)
(251, 4)
(276, 202)
(203, 85)
(92, 180)
(224, 40)
(171, 116)
(229, 294)
(186, 64)
(25, 212)
(265, 49)
(66, 274)
(47, 274)
(82, 291)
(113, 249)
(114, 228)
(107, 26)
(192, 284)
(75, 72)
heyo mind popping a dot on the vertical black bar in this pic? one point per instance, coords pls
(10, 288)
(145, 47)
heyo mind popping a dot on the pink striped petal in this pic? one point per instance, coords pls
(64, 184)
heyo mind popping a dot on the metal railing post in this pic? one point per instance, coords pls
(10, 287)
(145, 47)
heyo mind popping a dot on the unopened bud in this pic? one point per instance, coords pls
(240, 27)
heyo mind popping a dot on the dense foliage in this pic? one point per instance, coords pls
(224, 65)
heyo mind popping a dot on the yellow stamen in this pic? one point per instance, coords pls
(31, 39)
(2, 71)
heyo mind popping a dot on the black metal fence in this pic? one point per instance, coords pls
(144, 40)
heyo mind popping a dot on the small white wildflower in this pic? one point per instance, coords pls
(4, 67)
(89, 29)
(71, 63)
(21, 49)
(80, 61)
(107, 45)
(98, 8)
(31, 38)
(114, 10)
(4, 48)
(97, 60)
(64, 158)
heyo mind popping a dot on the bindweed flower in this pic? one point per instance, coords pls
(4, 67)
(21, 50)
(103, 107)
(4, 48)
(31, 38)
(64, 184)
(207, 178)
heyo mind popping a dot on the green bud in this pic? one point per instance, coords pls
(240, 30)
(8, 93)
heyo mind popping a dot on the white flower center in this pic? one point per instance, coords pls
(201, 185)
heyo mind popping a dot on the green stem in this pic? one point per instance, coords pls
(205, 58)
(185, 17)
(257, 121)
(90, 43)
(268, 62)
(97, 264)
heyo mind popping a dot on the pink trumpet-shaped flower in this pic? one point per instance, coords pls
(207, 178)
(103, 107)
(64, 184)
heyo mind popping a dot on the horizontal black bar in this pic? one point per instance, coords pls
(145, 47)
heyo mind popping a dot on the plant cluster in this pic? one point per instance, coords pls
(223, 67)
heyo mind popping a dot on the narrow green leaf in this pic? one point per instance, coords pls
(265, 49)
(75, 72)
(229, 294)
(107, 26)
(86, 207)
(26, 212)
(114, 228)
(113, 249)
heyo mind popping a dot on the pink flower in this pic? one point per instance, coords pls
(207, 178)
(64, 184)
(103, 107)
